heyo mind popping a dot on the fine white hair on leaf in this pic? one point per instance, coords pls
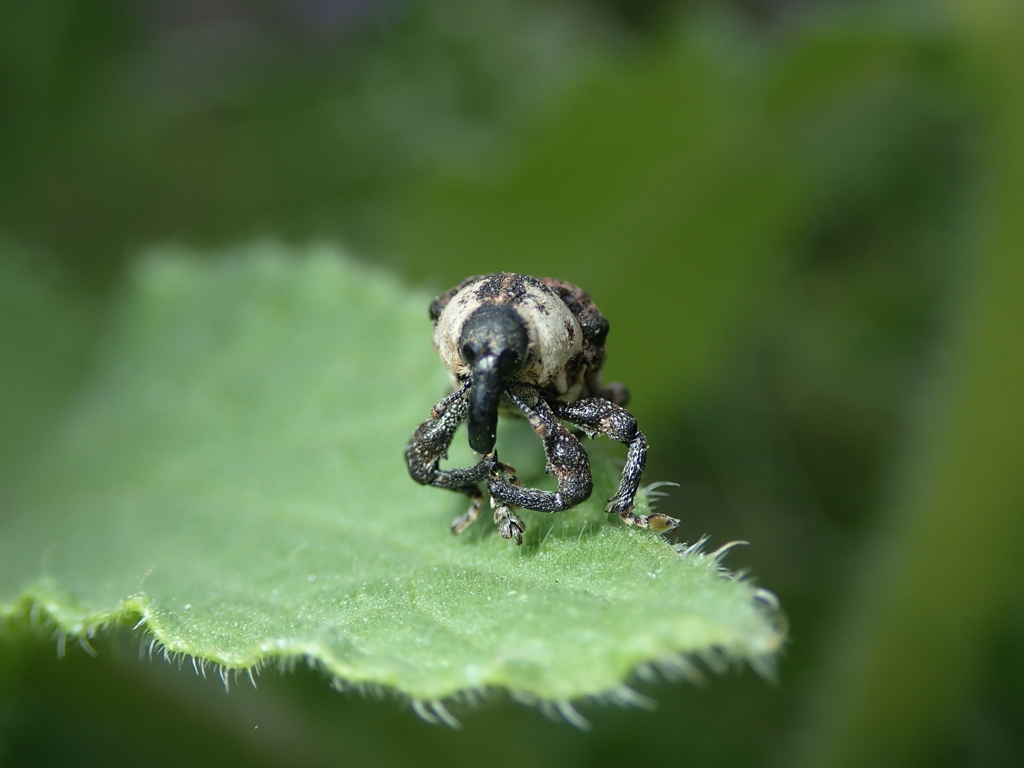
(646, 672)
(446, 717)
(434, 713)
(691, 549)
(720, 553)
(676, 667)
(767, 597)
(652, 489)
(476, 696)
(715, 660)
(571, 715)
(527, 699)
(579, 536)
(35, 618)
(625, 696)
(85, 645)
(764, 665)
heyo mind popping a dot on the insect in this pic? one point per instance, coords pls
(532, 347)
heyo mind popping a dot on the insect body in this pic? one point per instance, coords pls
(518, 343)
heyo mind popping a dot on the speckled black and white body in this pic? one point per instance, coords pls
(517, 343)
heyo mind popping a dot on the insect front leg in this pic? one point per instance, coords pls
(429, 444)
(596, 416)
(566, 460)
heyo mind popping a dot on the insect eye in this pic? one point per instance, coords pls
(508, 361)
(468, 354)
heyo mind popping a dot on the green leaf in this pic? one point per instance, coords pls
(233, 481)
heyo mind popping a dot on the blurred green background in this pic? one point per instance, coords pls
(803, 219)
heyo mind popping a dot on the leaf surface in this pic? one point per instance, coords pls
(232, 480)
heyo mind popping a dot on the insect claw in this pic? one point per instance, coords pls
(661, 523)
(657, 521)
(509, 525)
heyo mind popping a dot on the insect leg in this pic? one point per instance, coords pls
(566, 459)
(429, 444)
(597, 416)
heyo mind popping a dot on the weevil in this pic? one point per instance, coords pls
(533, 347)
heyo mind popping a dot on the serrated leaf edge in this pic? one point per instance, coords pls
(37, 608)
